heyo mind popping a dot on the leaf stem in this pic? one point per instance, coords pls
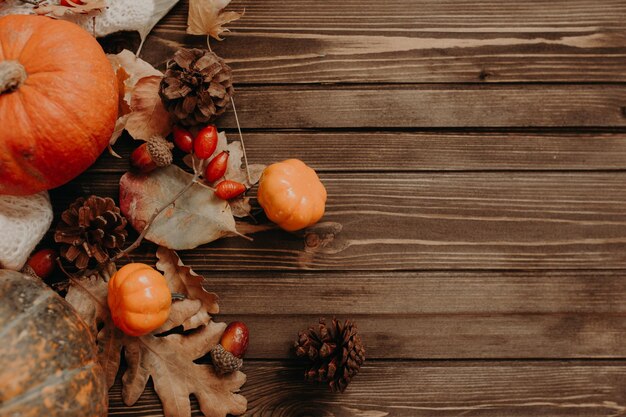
(243, 145)
(156, 213)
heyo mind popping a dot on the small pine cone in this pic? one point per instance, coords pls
(196, 87)
(90, 231)
(335, 351)
(224, 361)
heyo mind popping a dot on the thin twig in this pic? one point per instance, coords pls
(243, 145)
(205, 186)
(143, 233)
(208, 44)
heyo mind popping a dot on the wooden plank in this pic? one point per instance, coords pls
(450, 336)
(435, 315)
(419, 293)
(424, 151)
(430, 106)
(479, 389)
(413, 41)
(507, 220)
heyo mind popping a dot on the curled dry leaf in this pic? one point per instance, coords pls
(148, 117)
(168, 360)
(206, 18)
(196, 218)
(83, 7)
(236, 170)
(140, 109)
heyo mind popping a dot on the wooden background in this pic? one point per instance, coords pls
(475, 158)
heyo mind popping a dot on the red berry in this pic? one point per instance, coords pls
(227, 189)
(43, 262)
(183, 139)
(67, 4)
(142, 160)
(205, 143)
(217, 167)
(235, 338)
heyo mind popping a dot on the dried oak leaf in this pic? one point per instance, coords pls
(84, 7)
(197, 217)
(168, 360)
(206, 18)
(141, 107)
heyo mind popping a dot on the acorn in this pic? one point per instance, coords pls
(157, 152)
(228, 354)
(41, 263)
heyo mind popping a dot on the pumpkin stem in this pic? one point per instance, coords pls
(12, 75)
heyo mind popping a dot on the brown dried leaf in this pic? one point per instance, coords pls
(130, 70)
(148, 116)
(240, 207)
(186, 282)
(168, 360)
(197, 217)
(56, 10)
(236, 170)
(206, 18)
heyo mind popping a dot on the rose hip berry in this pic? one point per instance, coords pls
(183, 139)
(227, 189)
(217, 167)
(205, 142)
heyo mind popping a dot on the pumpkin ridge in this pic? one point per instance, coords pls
(20, 162)
(43, 96)
(49, 381)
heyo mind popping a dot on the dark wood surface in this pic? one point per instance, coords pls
(475, 158)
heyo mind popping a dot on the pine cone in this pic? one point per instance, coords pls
(91, 228)
(197, 86)
(336, 353)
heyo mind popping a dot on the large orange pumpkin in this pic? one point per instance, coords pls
(58, 103)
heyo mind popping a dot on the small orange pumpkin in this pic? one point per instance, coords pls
(292, 195)
(139, 299)
(58, 102)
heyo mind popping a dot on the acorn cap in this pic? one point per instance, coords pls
(160, 151)
(224, 361)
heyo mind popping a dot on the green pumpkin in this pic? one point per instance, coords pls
(48, 362)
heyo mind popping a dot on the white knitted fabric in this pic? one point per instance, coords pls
(132, 15)
(23, 222)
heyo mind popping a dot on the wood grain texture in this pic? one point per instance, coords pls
(452, 336)
(423, 151)
(369, 41)
(419, 293)
(430, 106)
(486, 389)
(503, 220)
(435, 314)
